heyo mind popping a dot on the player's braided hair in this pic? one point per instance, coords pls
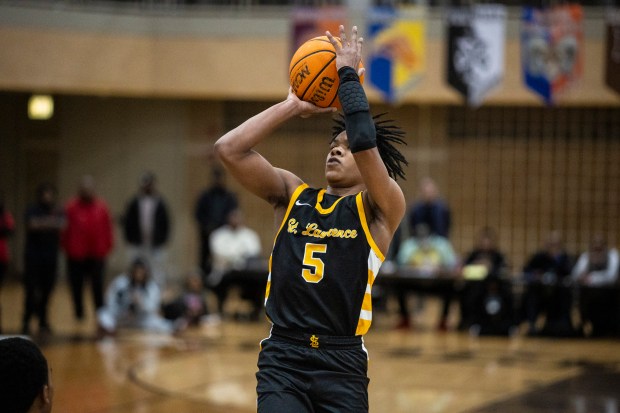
(387, 135)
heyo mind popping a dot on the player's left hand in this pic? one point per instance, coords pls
(348, 51)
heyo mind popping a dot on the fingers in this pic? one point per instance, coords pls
(333, 41)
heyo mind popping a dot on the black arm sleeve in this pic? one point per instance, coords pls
(358, 122)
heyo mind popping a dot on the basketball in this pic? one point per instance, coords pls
(313, 75)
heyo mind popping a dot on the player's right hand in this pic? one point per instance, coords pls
(306, 109)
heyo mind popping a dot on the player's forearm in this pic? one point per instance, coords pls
(240, 141)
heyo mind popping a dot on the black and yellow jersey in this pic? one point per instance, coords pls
(323, 265)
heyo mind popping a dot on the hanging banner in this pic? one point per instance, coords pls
(475, 53)
(552, 49)
(612, 50)
(396, 45)
(309, 22)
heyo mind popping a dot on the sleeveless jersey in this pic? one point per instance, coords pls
(323, 265)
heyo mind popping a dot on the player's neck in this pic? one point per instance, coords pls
(344, 191)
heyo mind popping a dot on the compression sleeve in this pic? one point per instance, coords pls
(358, 122)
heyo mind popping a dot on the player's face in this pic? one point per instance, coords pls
(340, 167)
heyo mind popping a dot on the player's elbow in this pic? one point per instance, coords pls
(224, 149)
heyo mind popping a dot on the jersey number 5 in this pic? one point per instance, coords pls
(314, 274)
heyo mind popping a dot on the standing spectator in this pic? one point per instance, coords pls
(596, 271)
(87, 241)
(25, 377)
(232, 245)
(546, 291)
(133, 300)
(7, 226)
(431, 210)
(146, 227)
(44, 221)
(212, 208)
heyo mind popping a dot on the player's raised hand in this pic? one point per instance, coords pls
(348, 50)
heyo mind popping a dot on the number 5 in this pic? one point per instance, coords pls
(315, 274)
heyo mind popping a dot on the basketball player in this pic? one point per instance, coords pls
(328, 247)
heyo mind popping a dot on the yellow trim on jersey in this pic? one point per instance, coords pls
(288, 209)
(365, 319)
(291, 202)
(319, 199)
(369, 238)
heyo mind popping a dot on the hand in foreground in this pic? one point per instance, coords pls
(306, 109)
(348, 51)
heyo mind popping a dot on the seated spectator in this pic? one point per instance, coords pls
(25, 378)
(133, 301)
(486, 300)
(190, 305)
(429, 255)
(595, 272)
(546, 277)
(233, 246)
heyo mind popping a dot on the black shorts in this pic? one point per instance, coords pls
(295, 376)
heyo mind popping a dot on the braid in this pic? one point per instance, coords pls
(387, 135)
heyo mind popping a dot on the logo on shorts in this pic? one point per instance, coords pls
(314, 341)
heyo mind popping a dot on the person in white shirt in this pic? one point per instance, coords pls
(232, 245)
(595, 272)
(133, 301)
(146, 227)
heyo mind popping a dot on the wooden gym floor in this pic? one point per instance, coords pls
(212, 369)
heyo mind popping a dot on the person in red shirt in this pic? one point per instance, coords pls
(87, 241)
(7, 226)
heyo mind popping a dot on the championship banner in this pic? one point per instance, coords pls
(309, 22)
(397, 49)
(612, 50)
(552, 49)
(475, 53)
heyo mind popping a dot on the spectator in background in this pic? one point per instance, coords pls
(146, 227)
(190, 305)
(232, 246)
(44, 222)
(597, 270)
(212, 209)
(428, 255)
(7, 226)
(431, 210)
(486, 300)
(87, 241)
(25, 377)
(546, 277)
(133, 301)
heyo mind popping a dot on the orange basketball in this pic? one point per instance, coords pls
(313, 74)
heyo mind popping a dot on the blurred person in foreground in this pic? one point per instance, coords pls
(25, 377)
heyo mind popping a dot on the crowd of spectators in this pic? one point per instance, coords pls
(556, 293)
